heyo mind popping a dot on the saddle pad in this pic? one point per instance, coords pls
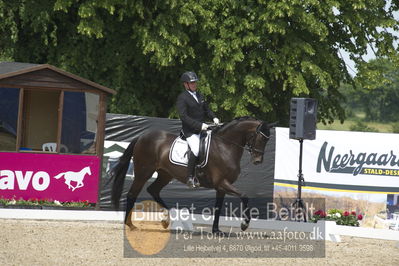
(179, 152)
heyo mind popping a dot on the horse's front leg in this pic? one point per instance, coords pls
(79, 185)
(218, 207)
(231, 190)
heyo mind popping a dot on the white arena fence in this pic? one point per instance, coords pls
(332, 231)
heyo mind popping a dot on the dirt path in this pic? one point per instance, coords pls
(27, 242)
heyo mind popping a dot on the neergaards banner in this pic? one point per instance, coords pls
(340, 160)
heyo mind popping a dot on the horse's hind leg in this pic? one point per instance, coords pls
(68, 183)
(154, 190)
(138, 183)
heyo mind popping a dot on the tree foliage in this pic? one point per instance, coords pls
(251, 56)
(378, 91)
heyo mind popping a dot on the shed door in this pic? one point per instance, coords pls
(41, 118)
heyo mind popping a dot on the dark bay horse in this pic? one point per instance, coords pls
(150, 153)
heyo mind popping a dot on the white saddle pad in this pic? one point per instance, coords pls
(179, 151)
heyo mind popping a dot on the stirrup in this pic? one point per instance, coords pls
(196, 182)
(192, 182)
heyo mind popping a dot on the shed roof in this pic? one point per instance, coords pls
(10, 70)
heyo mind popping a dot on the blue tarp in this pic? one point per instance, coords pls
(9, 99)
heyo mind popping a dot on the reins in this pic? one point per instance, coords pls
(250, 148)
(232, 142)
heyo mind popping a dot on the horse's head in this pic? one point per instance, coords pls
(88, 170)
(257, 141)
(247, 133)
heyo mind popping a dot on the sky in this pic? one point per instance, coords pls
(370, 55)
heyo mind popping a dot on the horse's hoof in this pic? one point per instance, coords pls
(218, 232)
(131, 226)
(165, 224)
(244, 225)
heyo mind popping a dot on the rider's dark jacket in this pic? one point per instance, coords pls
(192, 113)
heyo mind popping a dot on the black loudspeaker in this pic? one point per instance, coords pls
(303, 118)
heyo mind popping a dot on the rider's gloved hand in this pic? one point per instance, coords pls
(216, 121)
(204, 127)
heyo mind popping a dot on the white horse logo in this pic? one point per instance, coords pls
(74, 176)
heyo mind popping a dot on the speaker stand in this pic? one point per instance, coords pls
(298, 205)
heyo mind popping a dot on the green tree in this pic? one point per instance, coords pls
(379, 95)
(251, 56)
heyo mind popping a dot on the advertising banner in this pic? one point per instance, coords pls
(340, 161)
(49, 176)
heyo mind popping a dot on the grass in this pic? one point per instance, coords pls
(381, 127)
(353, 121)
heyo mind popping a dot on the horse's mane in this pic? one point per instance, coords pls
(236, 120)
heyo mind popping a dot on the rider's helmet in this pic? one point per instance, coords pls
(189, 76)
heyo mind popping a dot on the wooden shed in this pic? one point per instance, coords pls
(49, 116)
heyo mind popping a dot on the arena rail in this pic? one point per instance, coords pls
(332, 231)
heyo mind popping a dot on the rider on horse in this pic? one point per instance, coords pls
(193, 110)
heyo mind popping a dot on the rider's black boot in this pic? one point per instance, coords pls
(191, 181)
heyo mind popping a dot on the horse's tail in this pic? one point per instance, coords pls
(59, 175)
(119, 173)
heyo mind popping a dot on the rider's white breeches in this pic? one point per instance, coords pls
(194, 141)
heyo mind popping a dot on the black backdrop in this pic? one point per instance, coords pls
(255, 181)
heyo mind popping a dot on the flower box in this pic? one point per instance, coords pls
(44, 204)
(338, 216)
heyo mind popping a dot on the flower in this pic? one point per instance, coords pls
(43, 202)
(339, 216)
(320, 213)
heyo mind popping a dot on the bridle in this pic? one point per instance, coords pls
(250, 147)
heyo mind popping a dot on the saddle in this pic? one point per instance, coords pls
(179, 150)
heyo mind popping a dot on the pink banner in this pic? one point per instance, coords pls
(49, 176)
